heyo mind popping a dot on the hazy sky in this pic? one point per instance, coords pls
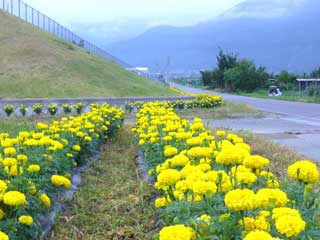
(154, 12)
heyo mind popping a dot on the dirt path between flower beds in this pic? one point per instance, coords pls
(292, 124)
(113, 202)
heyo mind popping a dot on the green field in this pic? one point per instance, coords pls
(36, 64)
(286, 95)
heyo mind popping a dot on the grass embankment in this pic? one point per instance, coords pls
(113, 202)
(36, 64)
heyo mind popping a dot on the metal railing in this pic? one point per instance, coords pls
(27, 13)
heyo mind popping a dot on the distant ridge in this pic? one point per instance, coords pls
(279, 34)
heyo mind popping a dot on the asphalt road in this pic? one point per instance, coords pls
(293, 124)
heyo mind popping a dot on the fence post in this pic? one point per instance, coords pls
(26, 10)
(32, 15)
(19, 1)
(38, 18)
(11, 6)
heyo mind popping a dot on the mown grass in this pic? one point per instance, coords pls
(286, 95)
(227, 110)
(113, 202)
(14, 125)
(36, 64)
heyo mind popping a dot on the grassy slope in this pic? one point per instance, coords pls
(34, 63)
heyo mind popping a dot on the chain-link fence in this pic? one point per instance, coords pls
(33, 16)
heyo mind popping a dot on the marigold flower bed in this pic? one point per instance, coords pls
(36, 166)
(212, 187)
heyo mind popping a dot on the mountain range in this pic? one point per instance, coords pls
(278, 34)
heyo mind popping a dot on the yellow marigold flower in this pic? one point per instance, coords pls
(2, 214)
(76, 148)
(8, 162)
(202, 188)
(168, 177)
(245, 178)
(60, 181)
(167, 138)
(290, 225)
(10, 151)
(69, 155)
(259, 223)
(182, 186)
(205, 218)
(200, 152)
(34, 168)
(26, 220)
(272, 183)
(170, 151)
(14, 198)
(177, 232)
(304, 171)
(23, 158)
(87, 139)
(272, 198)
(229, 156)
(3, 236)
(161, 202)
(3, 188)
(241, 200)
(13, 171)
(280, 212)
(195, 141)
(221, 133)
(45, 200)
(243, 146)
(249, 224)
(141, 142)
(80, 134)
(258, 235)
(179, 160)
(255, 162)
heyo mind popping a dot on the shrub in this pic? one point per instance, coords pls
(23, 109)
(78, 107)
(37, 108)
(52, 109)
(66, 108)
(129, 106)
(9, 109)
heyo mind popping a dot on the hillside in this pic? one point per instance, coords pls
(280, 34)
(36, 64)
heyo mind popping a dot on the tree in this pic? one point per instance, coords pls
(245, 77)
(225, 61)
(286, 80)
(315, 73)
(206, 77)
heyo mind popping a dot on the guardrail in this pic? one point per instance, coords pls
(117, 101)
